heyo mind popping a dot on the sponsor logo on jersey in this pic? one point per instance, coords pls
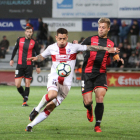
(69, 50)
(63, 57)
(109, 45)
(96, 42)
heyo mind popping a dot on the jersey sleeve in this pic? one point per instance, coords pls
(87, 41)
(80, 47)
(15, 49)
(46, 52)
(36, 48)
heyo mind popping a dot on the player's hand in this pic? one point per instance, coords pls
(32, 59)
(114, 50)
(75, 41)
(11, 63)
(38, 70)
(120, 62)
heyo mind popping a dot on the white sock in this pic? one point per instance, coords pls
(42, 103)
(41, 116)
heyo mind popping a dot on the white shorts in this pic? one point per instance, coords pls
(62, 91)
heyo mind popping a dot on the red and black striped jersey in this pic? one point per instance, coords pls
(26, 49)
(95, 61)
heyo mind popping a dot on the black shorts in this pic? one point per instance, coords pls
(88, 85)
(24, 72)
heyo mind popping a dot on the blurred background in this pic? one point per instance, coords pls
(80, 18)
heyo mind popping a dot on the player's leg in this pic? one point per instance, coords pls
(46, 98)
(26, 92)
(100, 91)
(99, 109)
(41, 116)
(62, 93)
(18, 79)
(19, 87)
(28, 71)
(41, 104)
(52, 93)
(87, 88)
(87, 99)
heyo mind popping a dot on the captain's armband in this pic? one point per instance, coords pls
(116, 57)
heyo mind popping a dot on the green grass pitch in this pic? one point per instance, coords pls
(121, 120)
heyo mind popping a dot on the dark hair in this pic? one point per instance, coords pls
(27, 19)
(135, 20)
(28, 27)
(62, 31)
(40, 18)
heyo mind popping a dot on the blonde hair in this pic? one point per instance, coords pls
(104, 20)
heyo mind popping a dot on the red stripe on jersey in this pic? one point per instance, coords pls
(104, 62)
(30, 50)
(53, 57)
(20, 52)
(73, 56)
(91, 59)
(62, 51)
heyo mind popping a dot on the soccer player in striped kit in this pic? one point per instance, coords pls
(94, 72)
(58, 87)
(26, 47)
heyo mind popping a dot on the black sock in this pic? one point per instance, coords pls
(89, 106)
(21, 91)
(99, 109)
(26, 93)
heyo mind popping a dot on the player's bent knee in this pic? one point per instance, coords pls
(52, 94)
(100, 99)
(86, 105)
(17, 85)
(88, 102)
(50, 106)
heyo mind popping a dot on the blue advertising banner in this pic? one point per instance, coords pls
(16, 24)
(91, 24)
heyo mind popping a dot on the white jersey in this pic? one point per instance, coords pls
(66, 54)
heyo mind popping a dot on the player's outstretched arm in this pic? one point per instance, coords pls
(100, 48)
(38, 58)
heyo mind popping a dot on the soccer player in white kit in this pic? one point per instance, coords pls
(58, 87)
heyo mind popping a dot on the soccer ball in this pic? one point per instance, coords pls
(63, 69)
